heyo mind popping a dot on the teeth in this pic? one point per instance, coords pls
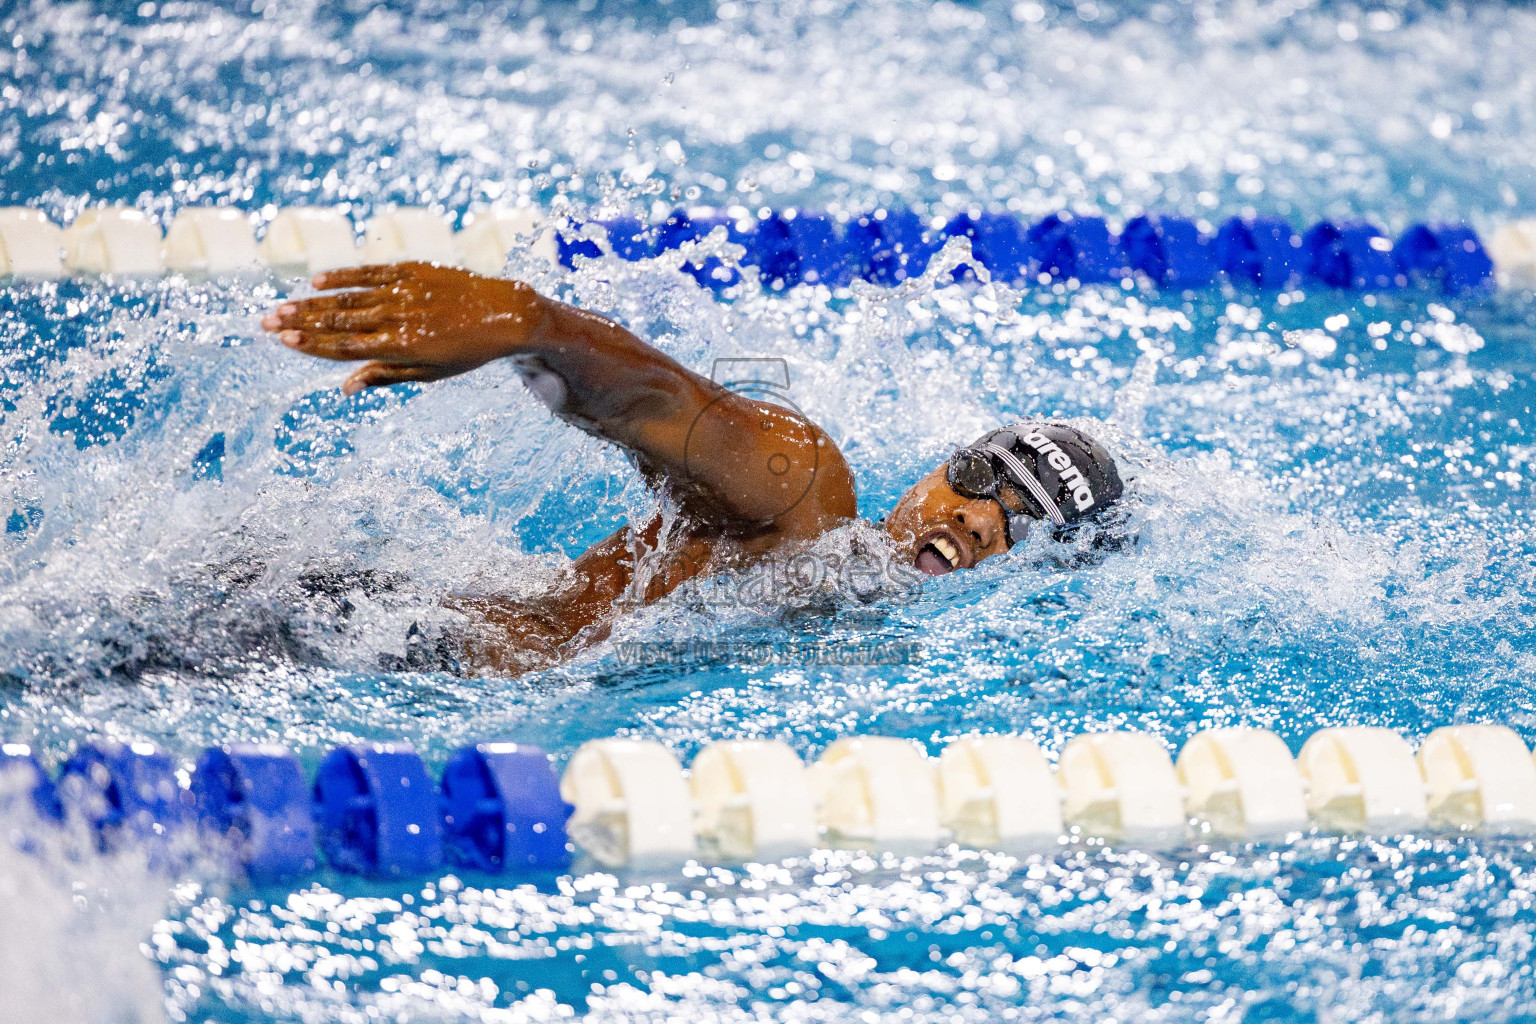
(947, 549)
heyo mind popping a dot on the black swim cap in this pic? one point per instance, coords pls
(1077, 476)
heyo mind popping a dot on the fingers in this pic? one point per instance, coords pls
(372, 276)
(322, 321)
(342, 346)
(346, 321)
(380, 374)
(309, 313)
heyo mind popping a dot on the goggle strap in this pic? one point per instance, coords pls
(1029, 480)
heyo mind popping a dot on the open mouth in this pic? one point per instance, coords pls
(938, 556)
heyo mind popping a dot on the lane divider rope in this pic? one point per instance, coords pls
(373, 809)
(786, 248)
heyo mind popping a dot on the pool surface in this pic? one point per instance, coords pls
(205, 542)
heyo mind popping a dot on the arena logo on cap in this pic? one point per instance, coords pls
(1073, 477)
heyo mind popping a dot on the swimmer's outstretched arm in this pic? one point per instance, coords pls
(731, 460)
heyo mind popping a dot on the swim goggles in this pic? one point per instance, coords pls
(988, 469)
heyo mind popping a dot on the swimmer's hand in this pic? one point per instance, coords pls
(414, 322)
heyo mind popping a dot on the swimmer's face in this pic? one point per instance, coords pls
(943, 531)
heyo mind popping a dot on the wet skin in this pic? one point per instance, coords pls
(944, 531)
(750, 478)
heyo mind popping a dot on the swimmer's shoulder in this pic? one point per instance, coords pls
(830, 501)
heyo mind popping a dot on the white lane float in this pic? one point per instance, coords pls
(31, 245)
(112, 240)
(877, 791)
(632, 802)
(1242, 782)
(309, 239)
(1479, 776)
(489, 236)
(1362, 777)
(1121, 785)
(1512, 247)
(211, 240)
(753, 799)
(409, 233)
(998, 792)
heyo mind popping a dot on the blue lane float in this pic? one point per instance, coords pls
(1171, 251)
(997, 242)
(570, 243)
(775, 252)
(790, 247)
(257, 798)
(794, 247)
(821, 257)
(1263, 252)
(681, 227)
(1358, 257)
(888, 246)
(377, 811)
(22, 773)
(373, 809)
(1449, 254)
(502, 809)
(125, 792)
(631, 240)
(1066, 247)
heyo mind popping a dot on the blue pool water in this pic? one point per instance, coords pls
(205, 542)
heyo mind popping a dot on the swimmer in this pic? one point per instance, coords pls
(749, 478)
